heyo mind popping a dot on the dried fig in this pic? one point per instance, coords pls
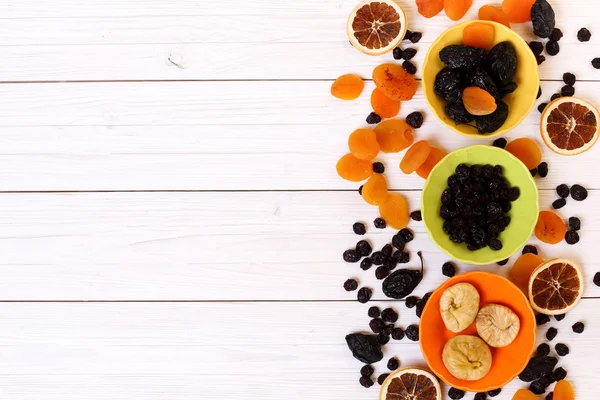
(467, 357)
(497, 325)
(459, 305)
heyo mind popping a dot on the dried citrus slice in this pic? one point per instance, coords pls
(555, 287)
(410, 383)
(570, 126)
(376, 27)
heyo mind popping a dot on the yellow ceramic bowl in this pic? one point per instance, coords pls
(520, 102)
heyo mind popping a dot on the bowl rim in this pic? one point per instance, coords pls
(462, 277)
(439, 165)
(425, 81)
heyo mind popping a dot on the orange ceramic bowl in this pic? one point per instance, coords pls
(507, 362)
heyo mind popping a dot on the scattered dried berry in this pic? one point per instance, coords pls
(409, 53)
(373, 118)
(420, 307)
(552, 48)
(389, 315)
(560, 373)
(367, 370)
(397, 53)
(584, 35)
(415, 37)
(540, 59)
(393, 364)
(563, 191)
(363, 248)
(403, 282)
(364, 348)
(578, 327)
(382, 272)
(537, 387)
(533, 172)
(398, 334)
(543, 350)
(448, 269)
(500, 142)
(411, 301)
(387, 250)
(574, 223)
(561, 349)
(351, 256)
(541, 319)
(456, 394)
(567, 91)
(364, 295)
(542, 17)
(412, 333)
(494, 393)
(399, 243)
(503, 262)
(569, 78)
(555, 96)
(551, 333)
(559, 203)
(366, 382)
(560, 317)
(530, 249)
(542, 107)
(389, 328)
(556, 35)
(366, 264)
(350, 285)
(415, 119)
(538, 366)
(359, 228)
(374, 312)
(416, 215)
(480, 396)
(377, 325)
(579, 193)
(596, 63)
(378, 168)
(409, 67)
(543, 169)
(382, 378)
(383, 338)
(407, 235)
(536, 47)
(572, 237)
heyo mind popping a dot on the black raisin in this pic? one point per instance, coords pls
(542, 107)
(404, 257)
(393, 364)
(538, 366)
(378, 168)
(533, 172)
(383, 338)
(584, 35)
(579, 193)
(366, 264)
(567, 91)
(366, 382)
(456, 394)
(387, 250)
(555, 96)
(399, 243)
(415, 37)
(503, 262)
(351, 256)
(572, 237)
(560, 317)
(412, 333)
(494, 121)
(556, 35)
(502, 61)
(359, 228)
(542, 17)
(574, 223)
(530, 249)
(480, 396)
(397, 53)
(377, 325)
(578, 327)
(543, 169)
(411, 301)
(561, 349)
(373, 118)
(448, 269)
(461, 56)
(559, 203)
(382, 378)
(379, 223)
(541, 319)
(560, 373)
(447, 85)
(382, 272)
(537, 387)
(409, 67)
(374, 312)
(350, 285)
(536, 47)
(494, 393)
(563, 191)
(407, 235)
(409, 53)
(415, 119)
(364, 295)
(596, 63)
(495, 244)
(551, 333)
(416, 215)
(364, 348)
(540, 58)
(367, 370)
(398, 334)
(458, 113)
(543, 350)
(569, 78)
(552, 48)
(389, 315)
(500, 142)
(363, 248)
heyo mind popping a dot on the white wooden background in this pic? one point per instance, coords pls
(171, 225)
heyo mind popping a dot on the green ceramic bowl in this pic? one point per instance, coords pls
(524, 212)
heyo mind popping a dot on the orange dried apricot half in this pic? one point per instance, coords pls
(523, 268)
(394, 210)
(375, 190)
(383, 105)
(394, 82)
(430, 8)
(527, 151)
(363, 144)
(478, 102)
(524, 394)
(479, 35)
(394, 135)
(550, 228)
(435, 156)
(415, 157)
(563, 391)
(495, 14)
(352, 169)
(347, 87)
(456, 9)
(518, 11)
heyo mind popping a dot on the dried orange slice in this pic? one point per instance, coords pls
(376, 27)
(555, 287)
(570, 126)
(410, 383)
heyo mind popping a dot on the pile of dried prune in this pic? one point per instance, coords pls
(475, 204)
(467, 66)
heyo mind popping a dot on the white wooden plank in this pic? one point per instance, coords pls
(215, 246)
(181, 351)
(212, 136)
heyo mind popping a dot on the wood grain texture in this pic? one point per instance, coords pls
(216, 246)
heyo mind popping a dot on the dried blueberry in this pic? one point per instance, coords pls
(415, 119)
(397, 53)
(560, 373)
(536, 47)
(350, 285)
(373, 118)
(501, 143)
(351, 256)
(456, 394)
(364, 348)
(364, 295)
(448, 269)
(574, 223)
(560, 317)
(579, 193)
(561, 349)
(495, 244)
(407, 235)
(381, 378)
(379, 223)
(569, 78)
(398, 334)
(366, 264)
(530, 249)
(503, 262)
(572, 237)
(578, 327)
(462, 56)
(542, 107)
(363, 248)
(359, 228)
(412, 333)
(543, 350)
(543, 169)
(378, 168)
(584, 35)
(541, 319)
(411, 301)
(382, 272)
(367, 370)
(393, 364)
(409, 67)
(563, 191)
(551, 333)
(366, 382)
(494, 393)
(552, 48)
(389, 315)
(416, 215)
(374, 312)
(542, 17)
(377, 325)
(409, 53)
(567, 91)
(556, 35)
(559, 203)
(383, 338)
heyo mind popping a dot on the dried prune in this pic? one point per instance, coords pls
(578, 192)
(373, 118)
(552, 48)
(543, 18)
(393, 364)
(500, 143)
(530, 249)
(403, 282)
(398, 334)
(448, 86)
(409, 67)
(377, 325)
(559, 203)
(551, 334)
(480, 78)
(494, 121)
(412, 333)
(456, 394)
(379, 223)
(536, 47)
(461, 56)
(366, 264)
(561, 349)
(563, 191)
(409, 53)
(543, 169)
(578, 327)
(458, 113)
(359, 228)
(556, 35)
(364, 295)
(569, 78)
(367, 370)
(397, 53)
(584, 35)
(567, 91)
(538, 366)
(411, 301)
(542, 350)
(381, 378)
(351, 256)
(374, 312)
(507, 89)
(364, 248)
(382, 272)
(494, 393)
(572, 237)
(480, 396)
(350, 285)
(389, 315)
(541, 319)
(364, 348)
(448, 269)
(366, 382)
(415, 119)
(502, 61)
(416, 215)
(574, 223)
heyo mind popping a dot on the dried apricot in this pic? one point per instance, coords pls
(495, 14)
(394, 210)
(394, 135)
(550, 228)
(518, 11)
(456, 9)
(415, 157)
(523, 268)
(430, 8)
(347, 87)
(478, 102)
(435, 156)
(383, 105)
(524, 394)
(394, 82)
(363, 144)
(375, 190)
(563, 391)
(527, 151)
(353, 169)
(480, 35)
